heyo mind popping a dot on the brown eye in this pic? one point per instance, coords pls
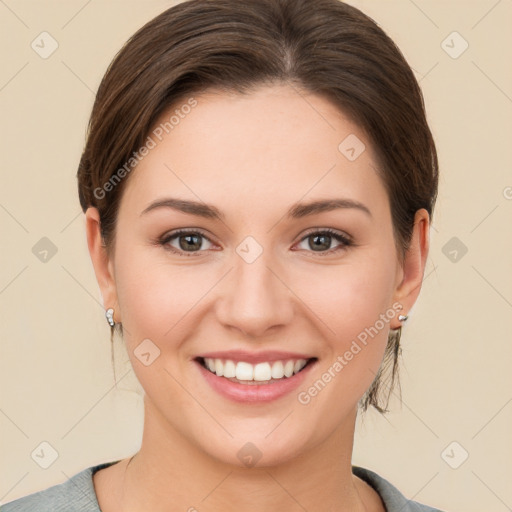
(187, 242)
(320, 241)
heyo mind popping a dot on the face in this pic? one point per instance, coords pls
(255, 275)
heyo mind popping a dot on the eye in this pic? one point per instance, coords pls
(322, 239)
(188, 242)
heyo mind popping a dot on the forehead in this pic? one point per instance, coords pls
(275, 145)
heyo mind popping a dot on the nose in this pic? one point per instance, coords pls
(255, 299)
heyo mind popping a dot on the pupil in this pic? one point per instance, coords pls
(196, 244)
(323, 237)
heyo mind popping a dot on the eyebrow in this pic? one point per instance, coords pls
(297, 211)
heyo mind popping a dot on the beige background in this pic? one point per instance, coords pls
(56, 379)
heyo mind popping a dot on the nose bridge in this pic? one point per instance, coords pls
(256, 299)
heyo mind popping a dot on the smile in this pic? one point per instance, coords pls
(248, 373)
(263, 381)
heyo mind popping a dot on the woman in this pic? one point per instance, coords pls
(258, 184)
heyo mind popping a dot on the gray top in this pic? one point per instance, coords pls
(77, 495)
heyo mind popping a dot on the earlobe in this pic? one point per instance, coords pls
(101, 261)
(415, 259)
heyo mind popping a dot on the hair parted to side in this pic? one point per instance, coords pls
(324, 47)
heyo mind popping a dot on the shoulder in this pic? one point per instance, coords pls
(74, 495)
(392, 498)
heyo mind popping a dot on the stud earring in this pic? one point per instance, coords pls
(402, 318)
(109, 314)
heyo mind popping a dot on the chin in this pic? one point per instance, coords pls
(255, 454)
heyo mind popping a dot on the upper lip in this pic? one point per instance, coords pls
(254, 357)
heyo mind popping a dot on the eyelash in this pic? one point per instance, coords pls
(164, 241)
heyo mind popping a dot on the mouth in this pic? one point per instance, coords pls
(261, 373)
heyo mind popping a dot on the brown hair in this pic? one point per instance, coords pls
(324, 47)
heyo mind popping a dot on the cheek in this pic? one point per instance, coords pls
(351, 297)
(152, 292)
(354, 304)
(156, 299)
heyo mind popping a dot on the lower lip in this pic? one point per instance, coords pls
(254, 392)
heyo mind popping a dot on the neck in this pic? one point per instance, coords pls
(169, 473)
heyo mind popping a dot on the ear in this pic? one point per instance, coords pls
(412, 271)
(101, 261)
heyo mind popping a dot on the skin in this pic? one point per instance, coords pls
(252, 157)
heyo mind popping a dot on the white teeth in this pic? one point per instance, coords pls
(210, 363)
(229, 369)
(262, 371)
(244, 371)
(299, 365)
(288, 368)
(219, 367)
(277, 370)
(258, 372)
